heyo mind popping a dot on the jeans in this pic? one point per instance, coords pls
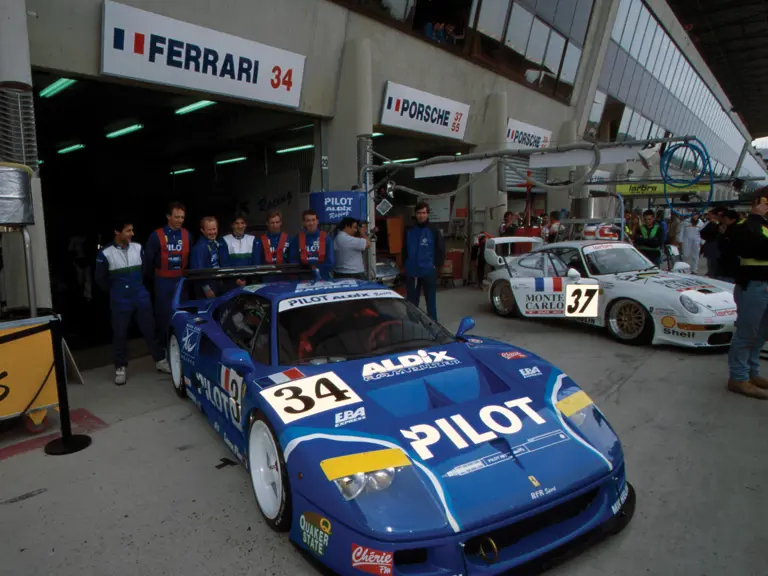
(122, 314)
(751, 330)
(414, 286)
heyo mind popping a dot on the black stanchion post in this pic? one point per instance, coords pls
(68, 443)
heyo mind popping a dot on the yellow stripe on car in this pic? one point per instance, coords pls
(573, 403)
(335, 468)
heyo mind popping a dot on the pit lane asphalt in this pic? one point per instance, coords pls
(146, 496)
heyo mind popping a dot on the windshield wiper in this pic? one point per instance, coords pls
(323, 360)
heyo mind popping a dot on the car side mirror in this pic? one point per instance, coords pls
(237, 359)
(574, 275)
(466, 324)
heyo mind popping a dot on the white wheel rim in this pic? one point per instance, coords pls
(265, 469)
(175, 355)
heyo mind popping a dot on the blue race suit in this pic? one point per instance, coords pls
(423, 255)
(315, 249)
(206, 255)
(244, 250)
(166, 258)
(270, 249)
(119, 272)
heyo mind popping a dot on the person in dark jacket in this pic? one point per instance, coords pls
(209, 252)
(649, 238)
(750, 243)
(728, 262)
(711, 248)
(423, 256)
(119, 272)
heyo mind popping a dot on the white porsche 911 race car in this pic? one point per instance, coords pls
(639, 304)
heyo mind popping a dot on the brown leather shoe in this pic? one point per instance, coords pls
(746, 388)
(759, 381)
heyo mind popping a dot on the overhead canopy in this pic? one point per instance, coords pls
(732, 37)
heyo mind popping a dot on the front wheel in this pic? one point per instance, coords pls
(629, 322)
(177, 374)
(269, 477)
(502, 298)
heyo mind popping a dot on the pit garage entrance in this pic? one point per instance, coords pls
(109, 149)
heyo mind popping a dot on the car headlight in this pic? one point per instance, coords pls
(352, 486)
(689, 304)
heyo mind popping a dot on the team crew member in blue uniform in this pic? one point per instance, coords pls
(423, 256)
(166, 258)
(119, 272)
(313, 246)
(209, 252)
(275, 245)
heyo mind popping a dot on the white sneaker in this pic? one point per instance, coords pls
(120, 376)
(163, 366)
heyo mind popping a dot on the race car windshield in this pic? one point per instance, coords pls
(353, 329)
(614, 259)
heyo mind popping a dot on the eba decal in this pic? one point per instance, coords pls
(371, 561)
(349, 416)
(315, 532)
(530, 372)
(544, 304)
(498, 420)
(406, 364)
(514, 355)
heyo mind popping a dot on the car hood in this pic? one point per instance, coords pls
(480, 423)
(712, 294)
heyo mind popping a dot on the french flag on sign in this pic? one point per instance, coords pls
(118, 40)
(549, 284)
(282, 377)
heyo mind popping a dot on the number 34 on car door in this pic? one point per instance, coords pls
(309, 396)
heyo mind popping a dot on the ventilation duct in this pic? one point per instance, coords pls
(18, 140)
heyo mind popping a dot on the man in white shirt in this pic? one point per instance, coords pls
(689, 237)
(349, 248)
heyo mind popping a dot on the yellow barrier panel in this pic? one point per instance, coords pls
(27, 373)
(657, 189)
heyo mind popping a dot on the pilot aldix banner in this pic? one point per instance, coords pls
(145, 46)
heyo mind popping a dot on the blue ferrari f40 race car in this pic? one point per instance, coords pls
(385, 444)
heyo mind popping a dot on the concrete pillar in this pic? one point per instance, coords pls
(16, 74)
(559, 199)
(354, 114)
(488, 198)
(592, 58)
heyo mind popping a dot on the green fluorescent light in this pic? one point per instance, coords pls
(39, 162)
(402, 160)
(126, 130)
(71, 148)
(56, 87)
(231, 160)
(295, 149)
(195, 106)
(458, 153)
(376, 134)
(182, 171)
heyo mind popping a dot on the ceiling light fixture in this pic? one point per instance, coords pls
(182, 171)
(402, 160)
(294, 149)
(126, 130)
(56, 87)
(302, 127)
(232, 160)
(195, 106)
(376, 134)
(71, 148)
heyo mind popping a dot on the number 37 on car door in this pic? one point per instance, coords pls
(309, 396)
(581, 301)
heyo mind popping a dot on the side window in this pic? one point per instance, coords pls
(571, 258)
(555, 266)
(247, 323)
(533, 262)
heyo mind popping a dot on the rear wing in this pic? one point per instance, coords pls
(497, 249)
(183, 298)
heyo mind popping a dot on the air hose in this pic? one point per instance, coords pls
(701, 158)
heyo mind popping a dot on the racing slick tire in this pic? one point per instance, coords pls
(269, 476)
(629, 322)
(177, 371)
(503, 300)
